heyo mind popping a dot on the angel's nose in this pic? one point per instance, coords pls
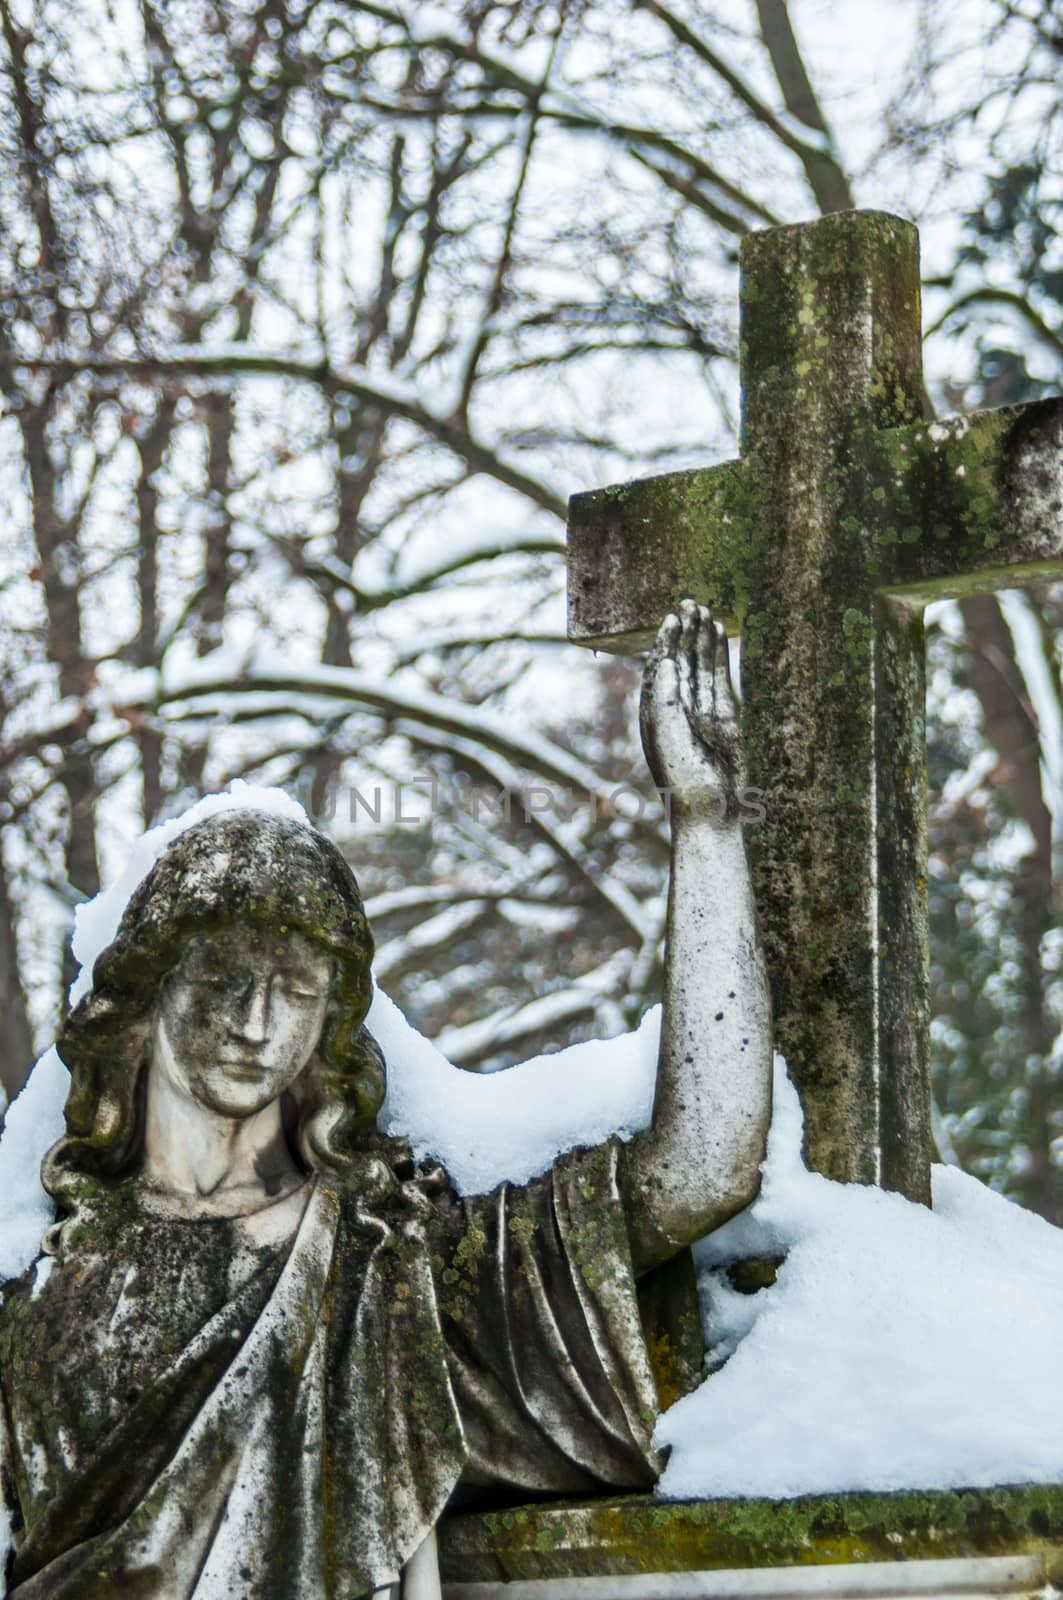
(253, 1015)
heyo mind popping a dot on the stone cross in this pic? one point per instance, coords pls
(846, 514)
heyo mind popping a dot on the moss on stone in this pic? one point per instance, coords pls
(944, 483)
(639, 1534)
(843, 497)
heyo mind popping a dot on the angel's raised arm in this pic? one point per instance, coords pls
(699, 1161)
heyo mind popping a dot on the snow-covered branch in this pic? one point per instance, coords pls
(211, 684)
(220, 363)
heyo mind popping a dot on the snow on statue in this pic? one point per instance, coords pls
(269, 1346)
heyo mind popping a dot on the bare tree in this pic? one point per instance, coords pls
(312, 314)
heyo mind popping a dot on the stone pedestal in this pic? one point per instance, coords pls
(972, 1543)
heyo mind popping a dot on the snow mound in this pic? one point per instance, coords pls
(486, 1128)
(900, 1348)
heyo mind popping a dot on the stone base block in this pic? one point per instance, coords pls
(970, 1543)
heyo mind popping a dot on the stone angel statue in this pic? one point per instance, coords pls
(268, 1349)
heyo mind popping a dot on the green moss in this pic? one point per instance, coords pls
(754, 1274)
(945, 483)
(470, 1251)
(842, 496)
(639, 1534)
(523, 1229)
(671, 1323)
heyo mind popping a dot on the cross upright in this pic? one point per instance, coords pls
(846, 514)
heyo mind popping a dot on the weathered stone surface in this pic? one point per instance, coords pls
(671, 1323)
(845, 515)
(641, 1535)
(635, 550)
(247, 1387)
(959, 506)
(1023, 1577)
(971, 504)
(827, 343)
(263, 1346)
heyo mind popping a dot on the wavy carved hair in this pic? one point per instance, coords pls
(246, 867)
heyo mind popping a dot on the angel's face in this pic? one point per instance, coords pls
(240, 1016)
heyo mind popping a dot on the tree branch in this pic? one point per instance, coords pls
(392, 396)
(825, 174)
(987, 295)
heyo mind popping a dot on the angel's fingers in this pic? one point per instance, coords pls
(666, 681)
(660, 657)
(706, 642)
(690, 619)
(704, 664)
(668, 634)
(723, 686)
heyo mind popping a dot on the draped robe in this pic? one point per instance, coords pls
(293, 1430)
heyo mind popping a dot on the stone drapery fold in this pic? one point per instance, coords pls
(296, 1435)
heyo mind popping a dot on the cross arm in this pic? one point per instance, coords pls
(636, 549)
(842, 500)
(970, 504)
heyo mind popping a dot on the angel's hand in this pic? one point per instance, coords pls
(689, 718)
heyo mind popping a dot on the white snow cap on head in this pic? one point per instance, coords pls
(96, 922)
(509, 1125)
